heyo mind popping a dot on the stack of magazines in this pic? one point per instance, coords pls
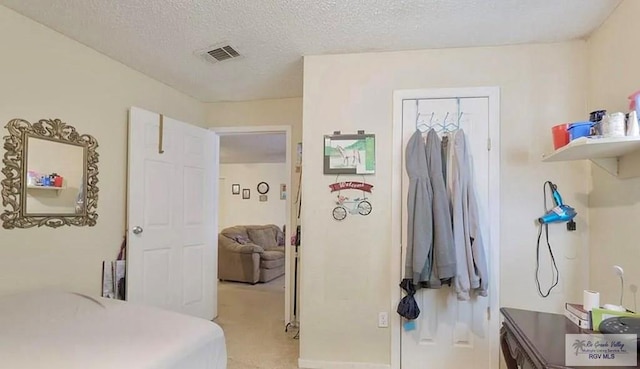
(578, 315)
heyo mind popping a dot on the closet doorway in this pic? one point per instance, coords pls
(448, 332)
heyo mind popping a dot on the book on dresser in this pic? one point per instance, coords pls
(578, 315)
(584, 324)
(578, 310)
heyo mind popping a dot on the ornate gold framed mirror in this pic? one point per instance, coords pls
(51, 175)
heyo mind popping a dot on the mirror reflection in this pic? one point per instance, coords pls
(54, 175)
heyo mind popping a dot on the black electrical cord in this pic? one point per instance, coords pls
(555, 274)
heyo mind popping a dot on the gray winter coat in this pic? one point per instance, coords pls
(469, 245)
(430, 248)
(443, 246)
(419, 216)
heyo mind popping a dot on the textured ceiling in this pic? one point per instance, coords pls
(159, 37)
(253, 148)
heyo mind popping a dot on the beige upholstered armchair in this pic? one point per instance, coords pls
(251, 254)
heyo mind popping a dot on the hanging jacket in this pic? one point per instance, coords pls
(418, 260)
(444, 256)
(471, 262)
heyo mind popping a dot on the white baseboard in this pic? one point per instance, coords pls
(317, 364)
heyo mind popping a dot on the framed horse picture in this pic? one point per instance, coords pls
(350, 154)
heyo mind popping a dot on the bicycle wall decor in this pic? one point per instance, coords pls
(345, 205)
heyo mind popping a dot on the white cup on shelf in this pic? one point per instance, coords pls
(613, 125)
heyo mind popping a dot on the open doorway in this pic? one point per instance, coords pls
(254, 249)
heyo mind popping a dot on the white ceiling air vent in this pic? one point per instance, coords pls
(219, 53)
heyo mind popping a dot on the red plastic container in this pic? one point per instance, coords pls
(560, 135)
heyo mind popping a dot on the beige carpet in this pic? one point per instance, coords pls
(252, 318)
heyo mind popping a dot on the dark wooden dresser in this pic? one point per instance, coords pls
(535, 340)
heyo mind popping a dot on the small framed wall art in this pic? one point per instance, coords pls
(246, 193)
(235, 189)
(350, 154)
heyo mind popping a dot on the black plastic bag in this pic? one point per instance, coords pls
(408, 307)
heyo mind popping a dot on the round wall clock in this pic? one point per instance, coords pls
(263, 188)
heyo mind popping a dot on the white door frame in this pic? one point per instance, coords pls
(493, 93)
(227, 131)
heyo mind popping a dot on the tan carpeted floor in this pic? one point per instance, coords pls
(252, 318)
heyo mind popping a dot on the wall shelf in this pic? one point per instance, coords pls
(46, 188)
(607, 153)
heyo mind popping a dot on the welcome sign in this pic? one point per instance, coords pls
(351, 185)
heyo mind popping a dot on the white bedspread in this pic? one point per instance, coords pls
(50, 329)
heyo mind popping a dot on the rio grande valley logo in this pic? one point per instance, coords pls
(599, 349)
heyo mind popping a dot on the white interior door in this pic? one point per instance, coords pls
(451, 333)
(172, 215)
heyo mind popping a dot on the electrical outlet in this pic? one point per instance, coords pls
(383, 319)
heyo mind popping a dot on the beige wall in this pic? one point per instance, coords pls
(234, 210)
(270, 112)
(614, 204)
(46, 75)
(345, 266)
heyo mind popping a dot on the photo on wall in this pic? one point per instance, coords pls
(283, 191)
(246, 194)
(350, 154)
(298, 157)
(235, 189)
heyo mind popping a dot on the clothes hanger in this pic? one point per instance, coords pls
(444, 126)
(423, 127)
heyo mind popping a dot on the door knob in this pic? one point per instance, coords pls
(137, 230)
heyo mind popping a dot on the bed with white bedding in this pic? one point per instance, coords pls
(52, 329)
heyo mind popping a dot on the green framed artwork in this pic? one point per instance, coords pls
(350, 154)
